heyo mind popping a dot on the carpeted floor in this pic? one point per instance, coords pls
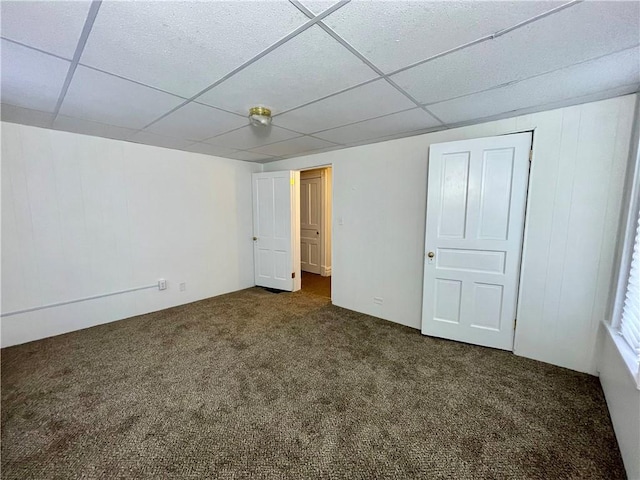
(316, 284)
(267, 386)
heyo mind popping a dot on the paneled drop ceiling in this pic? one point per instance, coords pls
(184, 74)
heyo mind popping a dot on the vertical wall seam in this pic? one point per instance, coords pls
(566, 240)
(558, 161)
(128, 214)
(57, 199)
(15, 219)
(35, 259)
(82, 41)
(84, 216)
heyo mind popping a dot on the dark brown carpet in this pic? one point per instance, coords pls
(316, 284)
(259, 385)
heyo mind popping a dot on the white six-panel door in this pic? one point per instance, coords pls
(476, 202)
(274, 228)
(310, 223)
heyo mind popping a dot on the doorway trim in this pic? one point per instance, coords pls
(327, 220)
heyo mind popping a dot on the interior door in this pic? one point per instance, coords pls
(310, 223)
(476, 202)
(275, 237)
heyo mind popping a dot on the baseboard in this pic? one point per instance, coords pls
(325, 271)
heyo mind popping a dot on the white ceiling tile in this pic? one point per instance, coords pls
(25, 116)
(394, 34)
(183, 47)
(586, 78)
(542, 46)
(405, 134)
(319, 6)
(86, 127)
(252, 137)
(149, 138)
(294, 146)
(31, 23)
(407, 121)
(314, 152)
(567, 102)
(371, 100)
(207, 149)
(104, 98)
(250, 157)
(310, 66)
(31, 79)
(197, 122)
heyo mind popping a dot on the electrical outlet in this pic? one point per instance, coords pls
(378, 300)
(162, 284)
(183, 286)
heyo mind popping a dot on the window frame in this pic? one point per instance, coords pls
(627, 237)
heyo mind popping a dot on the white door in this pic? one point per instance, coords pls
(310, 223)
(477, 191)
(275, 238)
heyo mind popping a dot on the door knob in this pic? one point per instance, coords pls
(255, 238)
(317, 233)
(431, 254)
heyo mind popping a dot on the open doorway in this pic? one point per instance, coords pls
(315, 230)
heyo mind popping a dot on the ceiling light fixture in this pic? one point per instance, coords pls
(260, 116)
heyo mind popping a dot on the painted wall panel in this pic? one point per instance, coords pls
(623, 400)
(379, 207)
(86, 216)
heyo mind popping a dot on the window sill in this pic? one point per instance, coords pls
(627, 354)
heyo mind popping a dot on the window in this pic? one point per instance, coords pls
(629, 323)
(625, 325)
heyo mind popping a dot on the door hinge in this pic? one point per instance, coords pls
(293, 274)
(530, 155)
(515, 322)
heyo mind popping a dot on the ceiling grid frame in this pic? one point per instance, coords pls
(319, 21)
(36, 49)
(381, 74)
(513, 82)
(485, 38)
(257, 57)
(82, 41)
(363, 58)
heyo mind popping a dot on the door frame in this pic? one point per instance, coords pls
(524, 230)
(323, 224)
(327, 220)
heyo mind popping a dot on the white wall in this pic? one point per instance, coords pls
(619, 385)
(379, 205)
(623, 400)
(84, 215)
